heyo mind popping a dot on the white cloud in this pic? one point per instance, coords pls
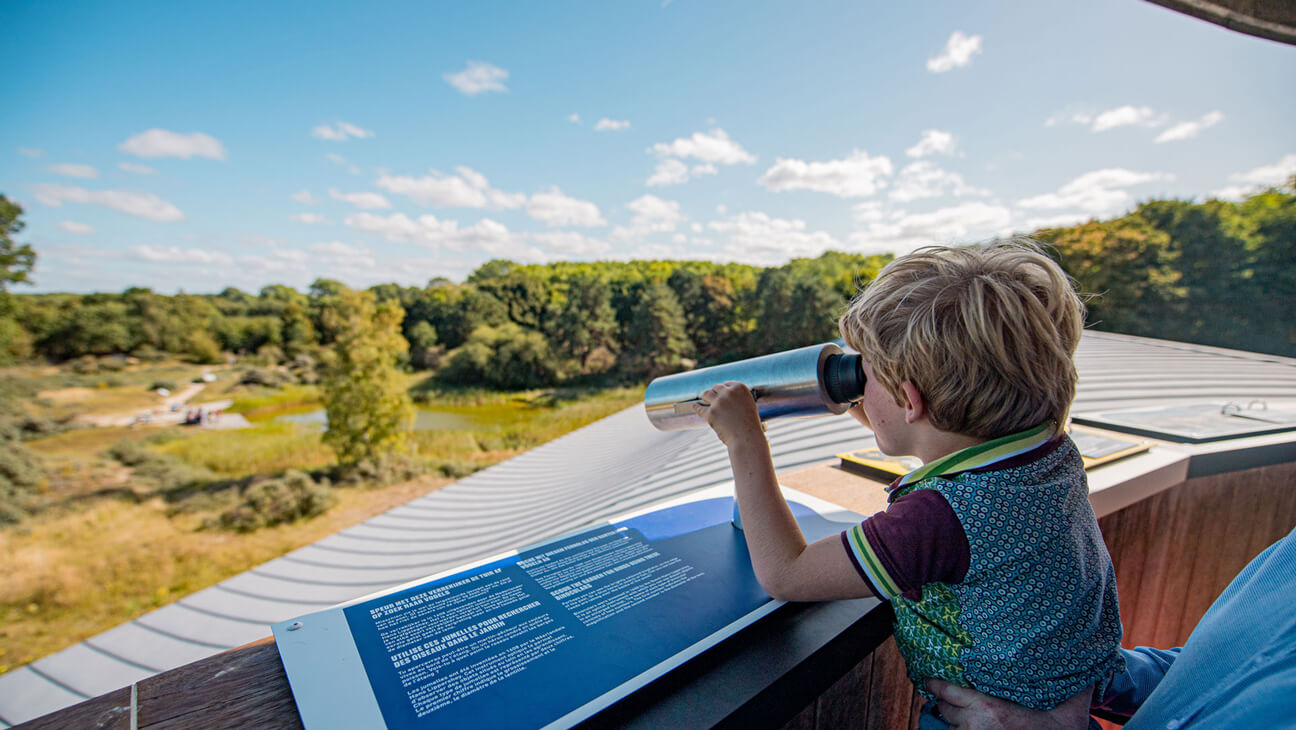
(933, 142)
(867, 212)
(73, 170)
(304, 197)
(341, 132)
(165, 143)
(478, 77)
(338, 255)
(1127, 115)
(555, 209)
(485, 235)
(706, 169)
(31, 152)
(574, 118)
(757, 238)
(1054, 221)
(468, 189)
(571, 243)
(341, 161)
(923, 179)
(959, 50)
(651, 215)
(1188, 130)
(714, 146)
(856, 176)
(136, 168)
(1268, 175)
(365, 201)
(1076, 117)
(131, 202)
(1265, 176)
(655, 214)
(611, 125)
(177, 255)
(336, 248)
(79, 229)
(961, 223)
(668, 172)
(1096, 193)
(311, 219)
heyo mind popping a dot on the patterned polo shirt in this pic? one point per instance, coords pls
(999, 578)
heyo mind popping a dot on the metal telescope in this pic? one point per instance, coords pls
(819, 380)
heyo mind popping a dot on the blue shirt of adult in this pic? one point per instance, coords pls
(1238, 667)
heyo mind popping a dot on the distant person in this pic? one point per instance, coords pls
(1237, 669)
(989, 552)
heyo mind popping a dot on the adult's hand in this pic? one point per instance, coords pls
(968, 709)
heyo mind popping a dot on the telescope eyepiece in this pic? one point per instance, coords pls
(844, 378)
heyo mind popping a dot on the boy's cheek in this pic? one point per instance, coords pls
(857, 412)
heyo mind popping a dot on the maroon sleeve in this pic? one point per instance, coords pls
(919, 539)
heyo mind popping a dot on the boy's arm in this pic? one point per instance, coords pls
(787, 568)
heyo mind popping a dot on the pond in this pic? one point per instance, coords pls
(442, 418)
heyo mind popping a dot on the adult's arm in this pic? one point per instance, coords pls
(968, 709)
(1144, 669)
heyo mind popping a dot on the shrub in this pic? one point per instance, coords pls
(168, 384)
(86, 365)
(275, 501)
(20, 479)
(265, 377)
(203, 348)
(268, 355)
(148, 353)
(387, 469)
(163, 472)
(21, 475)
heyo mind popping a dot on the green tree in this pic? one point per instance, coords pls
(96, 326)
(1271, 219)
(711, 314)
(507, 357)
(656, 342)
(369, 413)
(587, 321)
(1128, 268)
(797, 308)
(422, 339)
(16, 260)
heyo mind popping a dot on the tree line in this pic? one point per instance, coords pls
(1218, 273)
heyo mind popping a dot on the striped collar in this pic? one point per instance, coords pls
(981, 455)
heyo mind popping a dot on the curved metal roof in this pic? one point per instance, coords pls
(607, 468)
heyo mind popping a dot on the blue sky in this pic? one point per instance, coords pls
(198, 146)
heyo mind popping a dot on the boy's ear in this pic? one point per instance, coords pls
(915, 406)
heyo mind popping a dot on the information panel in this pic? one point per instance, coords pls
(543, 637)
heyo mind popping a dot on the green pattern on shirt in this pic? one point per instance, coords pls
(928, 634)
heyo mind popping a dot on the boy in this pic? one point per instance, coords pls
(989, 553)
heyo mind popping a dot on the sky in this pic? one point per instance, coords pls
(195, 146)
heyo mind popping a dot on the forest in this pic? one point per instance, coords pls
(1216, 273)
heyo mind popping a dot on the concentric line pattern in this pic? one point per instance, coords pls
(607, 468)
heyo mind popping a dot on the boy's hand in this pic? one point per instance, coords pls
(730, 410)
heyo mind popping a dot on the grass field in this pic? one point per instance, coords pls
(106, 548)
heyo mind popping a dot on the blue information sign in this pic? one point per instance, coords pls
(546, 636)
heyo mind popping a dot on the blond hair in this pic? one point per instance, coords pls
(987, 335)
